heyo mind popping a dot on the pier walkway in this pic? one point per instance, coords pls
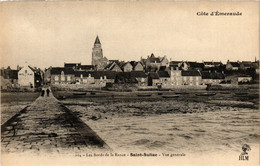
(48, 126)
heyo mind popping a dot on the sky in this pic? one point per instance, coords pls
(44, 34)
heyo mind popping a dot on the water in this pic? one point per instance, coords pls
(204, 132)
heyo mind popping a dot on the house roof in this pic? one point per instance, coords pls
(84, 73)
(190, 73)
(212, 75)
(116, 61)
(163, 74)
(126, 77)
(162, 68)
(153, 60)
(9, 73)
(255, 65)
(96, 74)
(175, 62)
(97, 41)
(113, 66)
(108, 74)
(135, 63)
(138, 74)
(58, 70)
(154, 75)
(212, 63)
(86, 67)
(195, 65)
(71, 65)
(235, 64)
(206, 75)
(108, 66)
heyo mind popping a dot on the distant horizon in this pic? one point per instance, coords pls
(48, 34)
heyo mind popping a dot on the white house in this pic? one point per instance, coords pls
(26, 77)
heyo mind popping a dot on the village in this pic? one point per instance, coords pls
(152, 72)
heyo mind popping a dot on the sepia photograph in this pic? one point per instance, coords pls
(129, 83)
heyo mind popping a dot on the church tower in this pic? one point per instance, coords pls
(97, 55)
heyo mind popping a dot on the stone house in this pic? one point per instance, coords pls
(74, 66)
(125, 78)
(9, 78)
(113, 66)
(176, 64)
(191, 77)
(84, 77)
(60, 75)
(188, 65)
(175, 77)
(164, 78)
(137, 66)
(141, 77)
(86, 68)
(212, 64)
(232, 65)
(244, 78)
(153, 63)
(126, 67)
(104, 76)
(95, 77)
(29, 77)
(153, 79)
(212, 78)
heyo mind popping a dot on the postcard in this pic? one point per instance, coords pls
(129, 83)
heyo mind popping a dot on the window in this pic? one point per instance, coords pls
(68, 78)
(25, 71)
(62, 78)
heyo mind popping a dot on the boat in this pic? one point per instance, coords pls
(144, 95)
(79, 93)
(205, 94)
(170, 96)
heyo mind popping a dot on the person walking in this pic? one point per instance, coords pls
(43, 91)
(48, 92)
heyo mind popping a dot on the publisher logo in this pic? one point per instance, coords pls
(244, 155)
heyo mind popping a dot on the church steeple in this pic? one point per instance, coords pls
(97, 40)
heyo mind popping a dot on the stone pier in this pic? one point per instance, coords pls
(48, 126)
